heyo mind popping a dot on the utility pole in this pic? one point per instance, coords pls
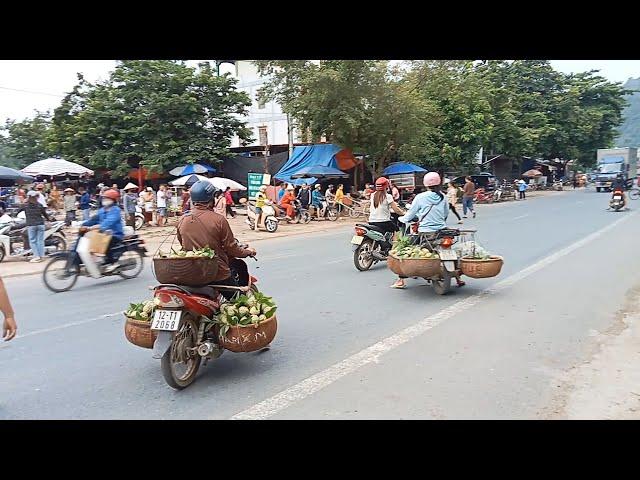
(290, 135)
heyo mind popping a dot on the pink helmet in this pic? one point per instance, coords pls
(431, 179)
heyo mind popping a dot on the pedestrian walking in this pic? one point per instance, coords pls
(161, 204)
(147, 200)
(54, 198)
(467, 197)
(35, 215)
(186, 201)
(130, 202)
(452, 197)
(522, 187)
(220, 203)
(85, 203)
(229, 200)
(9, 326)
(70, 207)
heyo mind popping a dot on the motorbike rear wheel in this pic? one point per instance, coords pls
(362, 258)
(332, 215)
(56, 270)
(59, 242)
(179, 355)
(442, 285)
(135, 256)
(139, 222)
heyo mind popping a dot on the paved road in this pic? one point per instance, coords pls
(475, 353)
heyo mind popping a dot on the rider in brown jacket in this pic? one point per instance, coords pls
(202, 227)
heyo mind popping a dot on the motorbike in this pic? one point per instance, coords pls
(371, 245)
(617, 200)
(186, 334)
(14, 241)
(63, 270)
(269, 220)
(301, 214)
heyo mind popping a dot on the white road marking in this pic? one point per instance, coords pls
(521, 216)
(320, 380)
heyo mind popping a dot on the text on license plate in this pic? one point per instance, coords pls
(447, 254)
(357, 239)
(166, 320)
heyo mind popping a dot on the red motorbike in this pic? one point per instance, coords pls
(482, 196)
(183, 320)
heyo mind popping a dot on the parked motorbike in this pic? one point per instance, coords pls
(64, 268)
(617, 200)
(186, 333)
(14, 240)
(269, 220)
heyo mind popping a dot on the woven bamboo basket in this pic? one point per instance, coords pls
(414, 267)
(476, 268)
(139, 333)
(189, 271)
(251, 337)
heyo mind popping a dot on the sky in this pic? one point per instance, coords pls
(30, 85)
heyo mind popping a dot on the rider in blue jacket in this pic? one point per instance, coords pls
(109, 220)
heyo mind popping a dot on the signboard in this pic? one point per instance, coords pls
(405, 180)
(254, 181)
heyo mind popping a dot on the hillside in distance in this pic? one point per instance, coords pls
(630, 128)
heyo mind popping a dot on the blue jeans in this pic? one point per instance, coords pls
(36, 240)
(467, 204)
(86, 214)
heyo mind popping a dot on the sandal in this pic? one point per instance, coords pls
(399, 287)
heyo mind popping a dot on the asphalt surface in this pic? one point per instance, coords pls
(498, 356)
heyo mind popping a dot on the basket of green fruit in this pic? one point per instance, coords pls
(248, 323)
(412, 260)
(137, 327)
(193, 268)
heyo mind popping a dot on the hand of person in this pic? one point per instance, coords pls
(252, 252)
(95, 227)
(9, 328)
(83, 229)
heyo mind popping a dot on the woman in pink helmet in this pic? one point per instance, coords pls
(431, 208)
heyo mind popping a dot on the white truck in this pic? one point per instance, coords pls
(613, 162)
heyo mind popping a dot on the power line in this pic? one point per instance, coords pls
(31, 91)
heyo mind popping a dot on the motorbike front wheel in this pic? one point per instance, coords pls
(634, 194)
(139, 222)
(305, 217)
(181, 362)
(332, 215)
(57, 277)
(271, 224)
(362, 258)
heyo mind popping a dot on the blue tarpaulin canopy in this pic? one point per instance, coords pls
(400, 168)
(308, 156)
(192, 169)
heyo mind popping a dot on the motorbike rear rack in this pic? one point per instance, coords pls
(217, 287)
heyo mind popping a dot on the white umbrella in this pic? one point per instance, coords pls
(181, 182)
(55, 166)
(222, 184)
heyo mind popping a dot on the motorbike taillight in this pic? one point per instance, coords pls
(446, 242)
(360, 232)
(169, 300)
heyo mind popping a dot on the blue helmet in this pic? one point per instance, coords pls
(202, 192)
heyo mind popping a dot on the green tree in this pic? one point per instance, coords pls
(359, 104)
(25, 142)
(159, 113)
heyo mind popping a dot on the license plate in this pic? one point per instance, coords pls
(357, 239)
(447, 254)
(166, 320)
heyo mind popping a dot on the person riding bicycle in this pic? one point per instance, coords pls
(202, 227)
(432, 209)
(108, 219)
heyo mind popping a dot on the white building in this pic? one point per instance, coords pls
(266, 120)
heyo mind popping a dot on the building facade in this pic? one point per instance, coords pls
(266, 120)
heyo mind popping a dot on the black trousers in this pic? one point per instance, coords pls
(453, 209)
(388, 226)
(522, 196)
(110, 257)
(231, 282)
